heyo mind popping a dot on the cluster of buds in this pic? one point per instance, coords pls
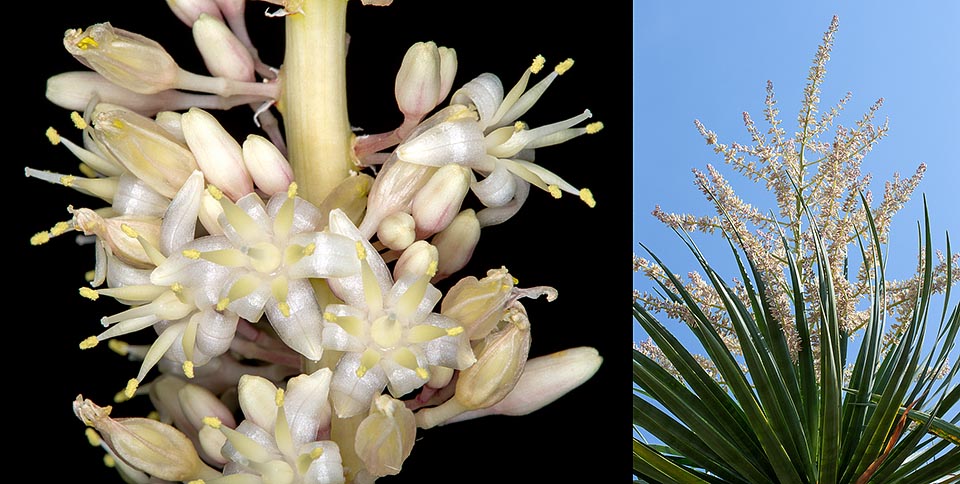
(302, 333)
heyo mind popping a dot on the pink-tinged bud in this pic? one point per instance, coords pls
(74, 90)
(222, 52)
(420, 258)
(397, 231)
(448, 71)
(170, 122)
(188, 11)
(438, 202)
(144, 148)
(385, 437)
(219, 156)
(417, 87)
(456, 243)
(544, 380)
(125, 58)
(145, 444)
(392, 191)
(270, 170)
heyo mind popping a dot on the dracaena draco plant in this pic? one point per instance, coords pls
(801, 420)
(294, 299)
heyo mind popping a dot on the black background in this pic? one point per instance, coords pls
(584, 253)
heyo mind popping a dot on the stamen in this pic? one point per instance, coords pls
(212, 422)
(109, 461)
(40, 238)
(188, 369)
(59, 228)
(154, 415)
(594, 127)
(454, 330)
(432, 269)
(87, 43)
(78, 120)
(563, 67)
(215, 192)
(121, 348)
(308, 250)
(538, 63)
(361, 251)
(90, 294)
(328, 316)
(587, 196)
(278, 397)
(554, 191)
(92, 436)
(53, 136)
(316, 453)
(292, 190)
(222, 304)
(89, 342)
(131, 389)
(284, 309)
(191, 254)
(87, 171)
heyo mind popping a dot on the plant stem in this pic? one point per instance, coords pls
(313, 99)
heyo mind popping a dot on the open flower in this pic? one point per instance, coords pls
(388, 330)
(270, 251)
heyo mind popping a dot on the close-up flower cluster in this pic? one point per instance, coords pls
(318, 242)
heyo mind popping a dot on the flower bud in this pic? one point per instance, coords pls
(210, 211)
(115, 232)
(170, 122)
(385, 437)
(144, 148)
(219, 156)
(415, 260)
(392, 191)
(479, 304)
(397, 231)
(544, 380)
(222, 52)
(424, 79)
(74, 90)
(270, 170)
(438, 202)
(145, 444)
(188, 11)
(500, 360)
(456, 243)
(197, 403)
(125, 58)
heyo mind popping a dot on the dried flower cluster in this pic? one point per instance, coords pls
(292, 278)
(811, 168)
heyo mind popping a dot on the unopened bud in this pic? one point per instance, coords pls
(188, 11)
(397, 231)
(219, 156)
(456, 243)
(385, 437)
(210, 211)
(448, 70)
(197, 403)
(144, 148)
(125, 58)
(74, 90)
(419, 82)
(147, 445)
(270, 170)
(222, 52)
(418, 259)
(438, 202)
(170, 122)
(500, 360)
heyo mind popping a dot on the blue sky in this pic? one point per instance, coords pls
(711, 61)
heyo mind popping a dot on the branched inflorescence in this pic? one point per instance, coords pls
(313, 303)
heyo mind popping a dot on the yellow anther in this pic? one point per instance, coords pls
(89, 275)
(59, 228)
(120, 397)
(515, 280)
(316, 453)
(278, 398)
(89, 342)
(87, 42)
(519, 126)
(118, 124)
(563, 67)
(215, 192)
(538, 63)
(587, 196)
(223, 303)
(40, 238)
(284, 309)
(212, 422)
(308, 250)
(87, 171)
(361, 251)
(422, 373)
(131, 389)
(594, 127)
(432, 268)
(109, 461)
(361, 370)
(53, 136)
(554, 191)
(119, 347)
(454, 330)
(67, 180)
(154, 415)
(197, 481)
(191, 254)
(78, 120)
(88, 293)
(92, 436)
(129, 231)
(327, 316)
(188, 368)
(292, 190)
(177, 288)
